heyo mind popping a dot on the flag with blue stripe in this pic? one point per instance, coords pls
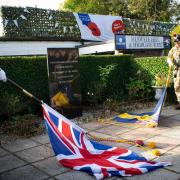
(73, 149)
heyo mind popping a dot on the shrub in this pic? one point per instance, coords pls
(31, 74)
(112, 71)
(104, 76)
(27, 125)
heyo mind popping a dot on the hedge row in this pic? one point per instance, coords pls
(89, 68)
(31, 73)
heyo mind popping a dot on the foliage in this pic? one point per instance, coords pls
(160, 80)
(11, 104)
(95, 94)
(31, 74)
(138, 87)
(96, 89)
(113, 7)
(114, 73)
(26, 125)
(175, 11)
(111, 104)
(150, 10)
(38, 24)
(150, 66)
(105, 73)
(138, 17)
(142, 9)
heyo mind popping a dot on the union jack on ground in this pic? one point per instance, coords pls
(73, 149)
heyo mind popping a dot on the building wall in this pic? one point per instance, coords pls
(12, 48)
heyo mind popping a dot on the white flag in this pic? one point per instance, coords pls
(6, 22)
(23, 17)
(16, 23)
(98, 27)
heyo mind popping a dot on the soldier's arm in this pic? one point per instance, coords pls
(170, 58)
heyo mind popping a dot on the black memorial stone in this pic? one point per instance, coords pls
(64, 81)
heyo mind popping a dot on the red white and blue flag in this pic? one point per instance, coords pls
(73, 149)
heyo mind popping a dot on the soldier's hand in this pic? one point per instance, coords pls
(3, 76)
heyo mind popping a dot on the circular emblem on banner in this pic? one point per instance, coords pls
(95, 30)
(117, 25)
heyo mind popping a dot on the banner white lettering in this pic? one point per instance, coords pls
(142, 42)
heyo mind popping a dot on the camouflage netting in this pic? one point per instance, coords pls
(42, 24)
(141, 27)
(36, 24)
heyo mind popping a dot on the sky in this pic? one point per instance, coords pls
(45, 4)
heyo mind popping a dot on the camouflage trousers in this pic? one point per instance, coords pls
(177, 84)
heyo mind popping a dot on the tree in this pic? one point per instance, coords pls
(175, 11)
(152, 10)
(108, 7)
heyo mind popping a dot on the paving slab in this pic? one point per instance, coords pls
(113, 130)
(51, 166)
(177, 117)
(152, 131)
(92, 125)
(160, 174)
(172, 156)
(3, 152)
(42, 164)
(169, 111)
(10, 162)
(36, 153)
(24, 173)
(20, 144)
(75, 175)
(136, 134)
(172, 132)
(100, 135)
(164, 143)
(169, 123)
(43, 139)
(78, 175)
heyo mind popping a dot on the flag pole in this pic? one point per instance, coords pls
(24, 91)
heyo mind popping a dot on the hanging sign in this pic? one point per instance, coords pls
(142, 42)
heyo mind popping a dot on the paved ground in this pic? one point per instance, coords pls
(33, 159)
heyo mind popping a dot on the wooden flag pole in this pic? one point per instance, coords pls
(24, 91)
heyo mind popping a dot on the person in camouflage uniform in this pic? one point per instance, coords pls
(174, 59)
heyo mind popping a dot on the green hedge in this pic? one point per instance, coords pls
(127, 67)
(152, 65)
(89, 68)
(31, 73)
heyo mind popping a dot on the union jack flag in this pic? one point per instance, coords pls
(73, 149)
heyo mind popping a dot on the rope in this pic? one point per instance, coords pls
(110, 121)
(93, 137)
